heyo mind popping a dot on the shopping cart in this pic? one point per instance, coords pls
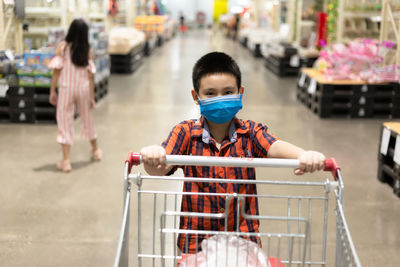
(296, 235)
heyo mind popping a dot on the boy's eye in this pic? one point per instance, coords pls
(210, 93)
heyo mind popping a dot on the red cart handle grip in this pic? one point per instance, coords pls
(332, 166)
(133, 159)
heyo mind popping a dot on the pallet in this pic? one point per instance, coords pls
(280, 66)
(388, 169)
(37, 115)
(31, 104)
(257, 51)
(127, 63)
(347, 99)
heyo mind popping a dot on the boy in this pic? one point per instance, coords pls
(218, 91)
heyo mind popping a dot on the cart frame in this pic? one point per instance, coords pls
(345, 250)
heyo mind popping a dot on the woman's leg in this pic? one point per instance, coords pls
(88, 128)
(97, 154)
(65, 123)
(66, 151)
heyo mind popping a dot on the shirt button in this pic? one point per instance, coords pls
(222, 210)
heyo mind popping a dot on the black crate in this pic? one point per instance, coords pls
(127, 65)
(45, 115)
(308, 62)
(4, 114)
(346, 110)
(22, 116)
(358, 90)
(243, 41)
(390, 176)
(21, 91)
(257, 51)
(42, 101)
(22, 103)
(280, 66)
(4, 102)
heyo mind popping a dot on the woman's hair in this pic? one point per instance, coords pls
(78, 38)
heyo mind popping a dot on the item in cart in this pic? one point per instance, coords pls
(226, 251)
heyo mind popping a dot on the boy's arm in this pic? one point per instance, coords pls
(154, 158)
(310, 161)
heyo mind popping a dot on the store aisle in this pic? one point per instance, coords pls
(49, 218)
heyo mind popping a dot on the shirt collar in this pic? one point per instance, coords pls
(235, 127)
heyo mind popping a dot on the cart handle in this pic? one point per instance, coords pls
(135, 159)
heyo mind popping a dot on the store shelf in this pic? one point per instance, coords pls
(371, 14)
(37, 31)
(97, 16)
(42, 11)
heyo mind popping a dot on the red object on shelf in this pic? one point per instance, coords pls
(322, 37)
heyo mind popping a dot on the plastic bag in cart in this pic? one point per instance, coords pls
(226, 251)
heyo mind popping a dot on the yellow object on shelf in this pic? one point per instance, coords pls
(151, 23)
(394, 126)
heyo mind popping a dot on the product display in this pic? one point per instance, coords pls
(359, 60)
(388, 156)
(160, 27)
(347, 98)
(126, 49)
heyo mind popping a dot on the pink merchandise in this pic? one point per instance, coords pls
(358, 60)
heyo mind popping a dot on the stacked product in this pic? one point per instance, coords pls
(389, 156)
(282, 59)
(126, 47)
(155, 29)
(29, 102)
(99, 43)
(349, 82)
(8, 79)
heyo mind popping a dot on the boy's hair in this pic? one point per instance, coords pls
(214, 63)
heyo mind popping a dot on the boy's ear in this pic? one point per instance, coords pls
(195, 97)
(241, 90)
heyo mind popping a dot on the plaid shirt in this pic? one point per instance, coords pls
(246, 139)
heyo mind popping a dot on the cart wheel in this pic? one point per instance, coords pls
(396, 187)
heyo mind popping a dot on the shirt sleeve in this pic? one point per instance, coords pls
(56, 62)
(177, 142)
(91, 66)
(262, 140)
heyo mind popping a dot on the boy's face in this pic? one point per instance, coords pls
(219, 84)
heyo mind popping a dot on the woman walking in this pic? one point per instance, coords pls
(73, 70)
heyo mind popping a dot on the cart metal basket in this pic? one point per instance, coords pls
(295, 235)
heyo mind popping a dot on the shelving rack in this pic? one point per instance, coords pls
(361, 18)
(391, 21)
(9, 23)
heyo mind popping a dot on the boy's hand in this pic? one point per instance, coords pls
(154, 158)
(310, 161)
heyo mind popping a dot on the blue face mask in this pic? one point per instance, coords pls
(221, 109)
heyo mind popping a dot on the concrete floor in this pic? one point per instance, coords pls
(48, 218)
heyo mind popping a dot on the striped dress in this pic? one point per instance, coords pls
(73, 91)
